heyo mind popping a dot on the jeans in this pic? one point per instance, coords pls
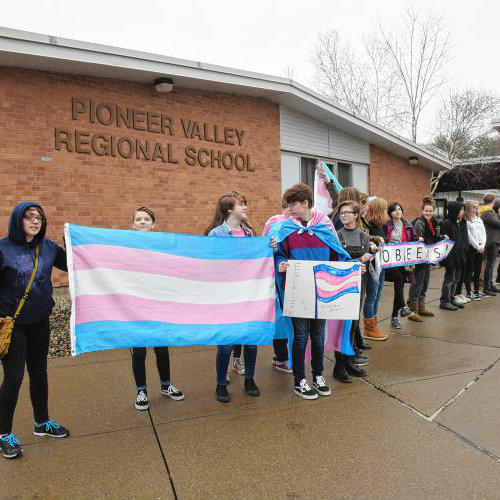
(303, 328)
(29, 346)
(373, 294)
(224, 355)
(490, 254)
(139, 365)
(474, 260)
(281, 350)
(419, 288)
(237, 350)
(451, 278)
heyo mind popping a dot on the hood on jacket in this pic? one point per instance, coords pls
(16, 232)
(453, 209)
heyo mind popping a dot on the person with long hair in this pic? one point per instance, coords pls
(27, 256)
(347, 194)
(399, 230)
(144, 220)
(475, 252)
(427, 230)
(373, 223)
(231, 220)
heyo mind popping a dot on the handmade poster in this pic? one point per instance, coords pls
(146, 289)
(322, 290)
(413, 253)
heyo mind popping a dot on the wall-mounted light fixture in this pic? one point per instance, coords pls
(164, 85)
(413, 160)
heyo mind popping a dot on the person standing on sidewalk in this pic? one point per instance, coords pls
(455, 260)
(492, 225)
(144, 220)
(427, 230)
(27, 256)
(477, 242)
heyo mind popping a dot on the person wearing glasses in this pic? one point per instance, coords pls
(22, 252)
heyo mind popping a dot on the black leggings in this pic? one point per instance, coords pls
(29, 346)
(139, 365)
(399, 278)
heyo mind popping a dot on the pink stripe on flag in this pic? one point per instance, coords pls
(335, 280)
(333, 341)
(147, 261)
(326, 294)
(127, 308)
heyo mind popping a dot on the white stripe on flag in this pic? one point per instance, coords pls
(102, 281)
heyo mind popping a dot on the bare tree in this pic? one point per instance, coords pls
(418, 53)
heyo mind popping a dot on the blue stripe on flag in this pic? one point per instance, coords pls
(188, 246)
(334, 271)
(353, 289)
(100, 335)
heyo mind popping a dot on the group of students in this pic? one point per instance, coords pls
(355, 231)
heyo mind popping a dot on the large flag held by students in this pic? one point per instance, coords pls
(142, 289)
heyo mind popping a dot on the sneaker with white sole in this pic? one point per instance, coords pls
(474, 297)
(9, 446)
(238, 366)
(141, 402)
(395, 323)
(51, 429)
(172, 392)
(304, 391)
(282, 366)
(320, 386)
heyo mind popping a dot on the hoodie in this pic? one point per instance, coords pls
(17, 259)
(456, 231)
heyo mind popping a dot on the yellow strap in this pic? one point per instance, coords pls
(33, 274)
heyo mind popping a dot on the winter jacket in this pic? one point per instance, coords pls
(17, 259)
(409, 232)
(423, 230)
(376, 233)
(477, 233)
(492, 225)
(456, 231)
(225, 231)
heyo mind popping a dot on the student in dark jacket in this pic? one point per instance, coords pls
(30, 337)
(456, 229)
(492, 225)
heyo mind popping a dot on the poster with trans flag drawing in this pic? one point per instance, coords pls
(322, 290)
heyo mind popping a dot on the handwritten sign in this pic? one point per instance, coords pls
(413, 253)
(322, 290)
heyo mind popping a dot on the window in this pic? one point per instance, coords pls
(290, 171)
(344, 174)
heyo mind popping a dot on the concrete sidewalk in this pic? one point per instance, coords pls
(423, 425)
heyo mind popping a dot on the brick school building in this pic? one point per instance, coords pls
(92, 132)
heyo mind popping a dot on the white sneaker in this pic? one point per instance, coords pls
(304, 391)
(459, 299)
(172, 392)
(141, 402)
(238, 366)
(320, 386)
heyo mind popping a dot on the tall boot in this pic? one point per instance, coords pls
(358, 340)
(377, 328)
(352, 369)
(371, 330)
(413, 305)
(422, 311)
(339, 371)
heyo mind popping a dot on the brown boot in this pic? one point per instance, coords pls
(422, 311)
(414, 309)
(371, 332)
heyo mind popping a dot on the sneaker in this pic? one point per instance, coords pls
(458, 299)
(360, 361)
(395, 323)
(237, 366)
(482, 295)
(495, 288)
(221, 394)
(458, 304)
(448, 306)
(474, 297)
(282, 366)
(141, 402)
(320, 386)
(405, 311)
(50, 428)
(9, 446)
(172, 392)
(489, 293)
(465, 299)
(251, 388)
(304, 391)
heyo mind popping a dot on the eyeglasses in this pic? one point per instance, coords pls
(343, 214)
(34, 218)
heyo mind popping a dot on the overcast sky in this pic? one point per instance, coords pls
(264, 35)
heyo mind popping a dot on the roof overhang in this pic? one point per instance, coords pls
(47, 53)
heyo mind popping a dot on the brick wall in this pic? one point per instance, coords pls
(394, 179)
(104, 191)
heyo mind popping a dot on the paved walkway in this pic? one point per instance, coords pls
(424, 425)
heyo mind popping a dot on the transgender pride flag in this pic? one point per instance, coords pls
(332, 283)
(145, 289)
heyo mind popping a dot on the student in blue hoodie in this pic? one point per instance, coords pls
(30, 336)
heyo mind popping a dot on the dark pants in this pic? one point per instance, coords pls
(281, 350)
(29, 346)
(303, 329)
(139, 365)
(451, 278)
(490, 255)
(399, 277)
(224, 355)
(237, 350)
(418, 289)
(474, 260)
(461, 280)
